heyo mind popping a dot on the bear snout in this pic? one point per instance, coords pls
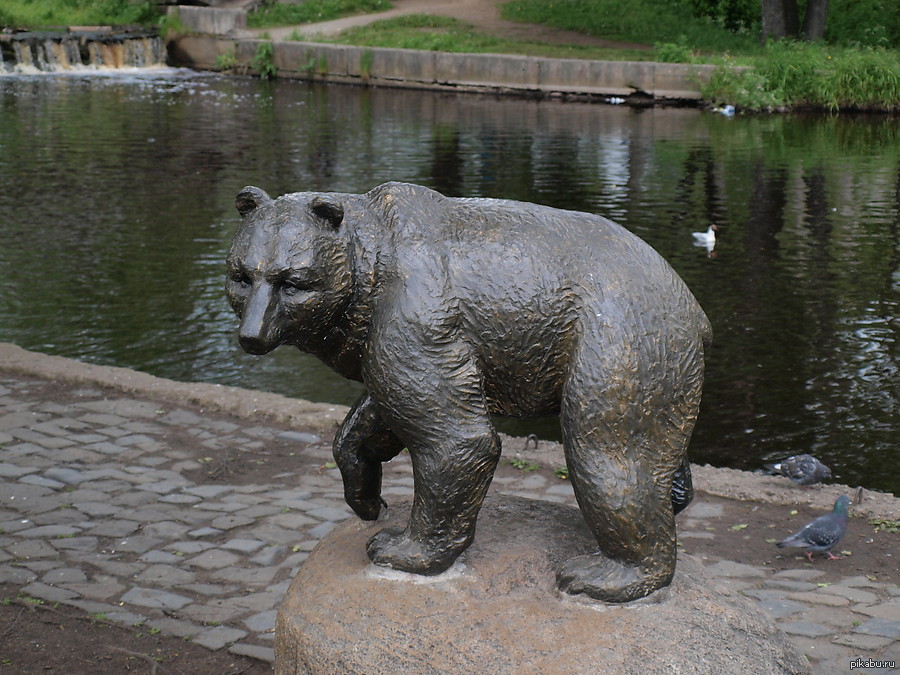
(257, 335)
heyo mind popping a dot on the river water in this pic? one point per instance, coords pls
(117, 194)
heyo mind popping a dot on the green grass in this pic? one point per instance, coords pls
(436, 33)
(47, 13)
(795, 74)
(312, 10)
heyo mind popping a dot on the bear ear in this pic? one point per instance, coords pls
(327, 209)
(249, 199)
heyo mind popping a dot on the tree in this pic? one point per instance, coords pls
(780, 19)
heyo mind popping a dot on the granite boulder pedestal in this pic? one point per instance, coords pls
(497, 610)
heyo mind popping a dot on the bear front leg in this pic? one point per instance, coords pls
(361, 444)
(435, 404)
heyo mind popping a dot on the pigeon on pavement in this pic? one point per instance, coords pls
(802, 469)
(823, 532)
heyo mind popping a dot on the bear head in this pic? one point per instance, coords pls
(289, 271)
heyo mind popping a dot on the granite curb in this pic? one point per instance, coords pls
(103, 509)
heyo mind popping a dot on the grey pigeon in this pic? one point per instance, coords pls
(823, 532)
(802, 469)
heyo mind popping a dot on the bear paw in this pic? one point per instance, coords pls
(600, 578)
(366, 509)
(397, 550)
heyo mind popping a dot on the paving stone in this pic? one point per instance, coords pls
(262, 622)
(886, 610)
(220, 507)
(728, 568)
(33, 479)
(161, 557)
(45, 532)
(18, 495)
(219, 637)
(267, 556)
(861, 581)
(204, 532)
(807, 628)
(165, 530)
(256, 576)
(97, 509)
(300, 437)
(161, 487)
(180, 499)
(852, 594)
(48, 593)
(867, 643)
(189, 547)
(257, 652)
(292, 521)
(176, 627)
(321, 530)
(820, 598)
(11, 526)
(881, 627)
(14, 471)
(165, 575)
(214, 559)
(149, 597)
(11, 574)
(243, 545)
(102, 588)
(230, 522)
(789, 585)
(259, 511)
(211, 590)
(780, 609)
(76, 543)
(209, 491)
(136, 544)
(115, 528)
(26, 550)
(64, 575)
(806, 575)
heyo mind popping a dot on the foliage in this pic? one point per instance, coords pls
(170, 25)
(276, 14)
(645, 21)
(734, 15)
(226, 61)
(673, 52)
(264, 60)
(872, 23)
(44, 13)
(797, 74)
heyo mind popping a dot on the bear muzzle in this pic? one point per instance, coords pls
(258, 334)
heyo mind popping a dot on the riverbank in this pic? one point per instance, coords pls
(783, 76)
(171, 516)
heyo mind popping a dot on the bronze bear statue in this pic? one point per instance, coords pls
(451, 310)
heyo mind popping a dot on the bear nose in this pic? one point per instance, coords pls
(255, 335)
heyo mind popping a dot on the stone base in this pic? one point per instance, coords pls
(497, 610)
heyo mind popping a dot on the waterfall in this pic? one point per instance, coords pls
(33, 52)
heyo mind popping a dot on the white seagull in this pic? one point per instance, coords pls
(707, 238)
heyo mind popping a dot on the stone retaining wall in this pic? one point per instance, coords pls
(487, 73)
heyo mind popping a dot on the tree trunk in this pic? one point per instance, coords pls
(779, 19)
(814, 21)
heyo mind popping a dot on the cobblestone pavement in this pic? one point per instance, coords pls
(123, 505)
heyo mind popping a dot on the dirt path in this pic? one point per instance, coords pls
(483, 14)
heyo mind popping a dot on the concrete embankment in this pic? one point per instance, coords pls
(216, 39)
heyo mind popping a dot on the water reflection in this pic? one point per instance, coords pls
(118, 208)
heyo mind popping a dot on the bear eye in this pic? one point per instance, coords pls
(240, 277)
(294, 285)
